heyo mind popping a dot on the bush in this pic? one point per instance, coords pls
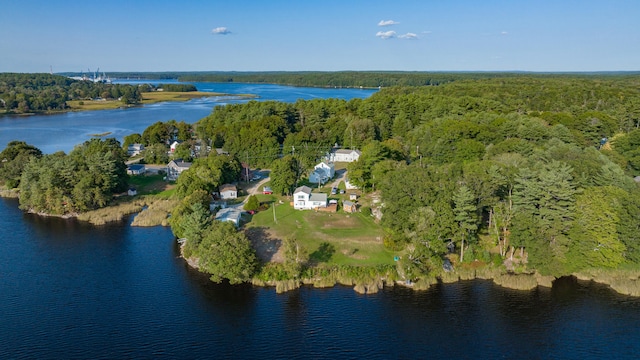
(252, 203)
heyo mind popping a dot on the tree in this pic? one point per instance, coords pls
(194, 225)
(225, 253)
(594, 237)
(252, 203)
(284, 174)
(465, 215)
(295, 256)
(13, 159)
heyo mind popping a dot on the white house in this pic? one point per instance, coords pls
(175, 168)
(304, 199)
(229, 214)
(134, 149)
(322, 172)
(349, 185)
(174, 146)
(344, 155)
(228, 191)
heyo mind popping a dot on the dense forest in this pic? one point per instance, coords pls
(26, 93)
(536, 172)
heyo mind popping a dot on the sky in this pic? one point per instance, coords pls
(324, 35)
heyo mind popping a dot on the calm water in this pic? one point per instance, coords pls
(69, 290)
(61, 132)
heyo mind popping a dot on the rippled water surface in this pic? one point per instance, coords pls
(70, 290)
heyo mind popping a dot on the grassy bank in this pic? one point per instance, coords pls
(147, 98)
(624, 281)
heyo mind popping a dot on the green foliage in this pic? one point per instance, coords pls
(225, 253)
(252, 203)
(284, 175)
(594, 239)
(156, 154)
(13, 160)
(465, 215)
(505, 155)
(83, 180)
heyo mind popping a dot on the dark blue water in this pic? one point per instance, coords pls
(73, 291)
(61, 132)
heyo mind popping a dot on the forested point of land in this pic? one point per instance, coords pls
(31, 93)
(529, 173)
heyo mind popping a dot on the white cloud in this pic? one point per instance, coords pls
(386, 34)
(504, 33)
(408, 36)
(220, 31)
(387, 23)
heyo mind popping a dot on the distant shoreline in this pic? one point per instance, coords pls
(147, 98)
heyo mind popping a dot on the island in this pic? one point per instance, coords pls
(518, 178)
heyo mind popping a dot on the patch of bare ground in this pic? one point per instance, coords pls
(353, 253)
(267, 246)
(351, 240)
(342, 222)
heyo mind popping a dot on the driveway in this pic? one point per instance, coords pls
(340, 176)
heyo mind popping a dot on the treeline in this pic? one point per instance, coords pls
(533, 172)
(368, 79)
(25, 93)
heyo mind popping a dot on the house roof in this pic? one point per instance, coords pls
(318, 197)
(229, 214)
(180, 163)
(305, 189)
(325, 164)
(348, 203)
(227, 187)
(136, 167)
(347, 151)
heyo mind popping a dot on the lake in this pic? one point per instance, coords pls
(69, 290)
(61, 132)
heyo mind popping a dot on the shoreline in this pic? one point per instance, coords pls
(625, 282)
(158, 97)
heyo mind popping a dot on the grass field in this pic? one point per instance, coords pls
(338, 238)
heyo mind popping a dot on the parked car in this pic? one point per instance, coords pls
(251, 212)
(267, 190)
(334, 190)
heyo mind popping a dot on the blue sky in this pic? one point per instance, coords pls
(326, 35)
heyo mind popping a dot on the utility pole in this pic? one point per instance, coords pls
(274, 212)
(246, 153)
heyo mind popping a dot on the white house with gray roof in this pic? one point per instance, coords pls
(175, 168)
(304, 199)
(344, 155)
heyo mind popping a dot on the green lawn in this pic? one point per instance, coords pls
(151, 184)
(337, 238)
